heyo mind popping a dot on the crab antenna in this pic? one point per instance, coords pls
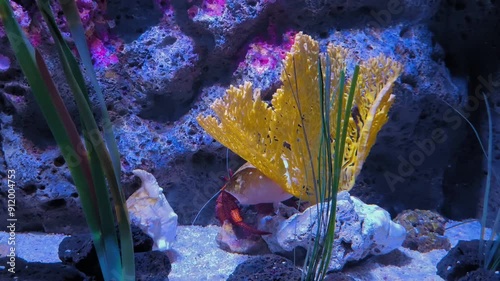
(230, 174)
(199, 212)
(227, 164)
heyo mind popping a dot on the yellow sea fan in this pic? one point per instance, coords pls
(271, 137)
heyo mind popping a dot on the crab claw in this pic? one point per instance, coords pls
(227, 209)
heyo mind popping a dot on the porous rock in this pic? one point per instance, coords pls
(360, 230)
(266, 267)
(425, 230)
(338, 276)
(152, 266)
(153, 109)
(460, 260)
(78, 250)
(34, 271)
(481, 274)
(164, 62)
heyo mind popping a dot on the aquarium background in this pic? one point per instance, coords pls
(162, 63)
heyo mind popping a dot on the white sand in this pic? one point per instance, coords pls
(196, 256)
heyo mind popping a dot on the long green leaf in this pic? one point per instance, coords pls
(339, 156)
(102, 160)
(78, 33)
(57, 116)
(490, 255)
(489, 252)
(329, 167)
(76, 82)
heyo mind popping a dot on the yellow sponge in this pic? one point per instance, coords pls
(271, 137)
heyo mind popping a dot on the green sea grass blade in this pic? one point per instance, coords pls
(314, 254)
(326, 176)
(335, 175)
(338, 167)
(487, 189)
(347, 114)
(328, 97)
(493, 246)
(476, 133)
(57, 116)
(77, 85)
(77, 31)
(490, 251)
(99, 236)
(322, 162)
(48, 99)
(101, 159)
(337, 162)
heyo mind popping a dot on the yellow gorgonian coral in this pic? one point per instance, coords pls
(271, 137)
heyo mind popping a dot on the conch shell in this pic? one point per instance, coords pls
(250, 186)
(149, 209)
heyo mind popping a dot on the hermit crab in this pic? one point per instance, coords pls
(248, 186)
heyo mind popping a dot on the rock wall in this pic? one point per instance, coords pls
(167, 62)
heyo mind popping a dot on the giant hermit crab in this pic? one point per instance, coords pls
(248, 186)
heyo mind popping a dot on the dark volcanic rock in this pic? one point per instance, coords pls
(152, 266)
(36, 271)
(267, 267)
(338, 276)
(78, 250)
(480, 275)
(462, 263)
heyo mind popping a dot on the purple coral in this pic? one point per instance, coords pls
(214, 8)
(263, 55)
(24, 21)
(96, 28)
(211, 8)
(101, 54)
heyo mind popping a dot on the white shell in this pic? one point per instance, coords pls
(149, 209)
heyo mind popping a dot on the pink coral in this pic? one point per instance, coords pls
(263, 55)
(91, 14)
(101, 55)
(24, 21)
(214, 8)
(211, 8)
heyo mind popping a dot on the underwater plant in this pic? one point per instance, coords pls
(327, 180)
(489, 249)
(272, 137)
(314, 137)
(94, 163)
